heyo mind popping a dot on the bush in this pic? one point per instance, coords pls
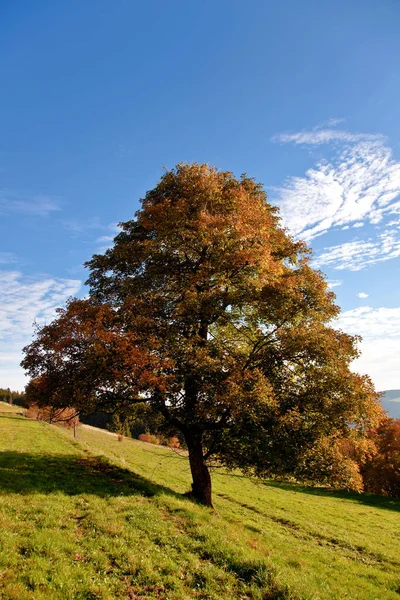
(149, 438)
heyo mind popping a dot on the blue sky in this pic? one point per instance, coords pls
(98, 96)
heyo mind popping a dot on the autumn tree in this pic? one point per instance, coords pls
(64, 417)
(209, 311)
(381, 473)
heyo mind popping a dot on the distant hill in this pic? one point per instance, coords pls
(391, 403)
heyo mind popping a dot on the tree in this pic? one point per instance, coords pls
(381, 473)
(12, 397)
(208, 310)
(65, 417)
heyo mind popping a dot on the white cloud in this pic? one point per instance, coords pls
(334, 283)
(380, 346)
(39, 205)
(325, 136)
(371, 323)
(362, 295)
(358, 254)
(360, 183)
(332, 122)
(115, 227)
(22, 301)
(105, 238)
(106, 241)
(79, 228)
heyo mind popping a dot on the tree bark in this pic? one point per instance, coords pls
(201, 486)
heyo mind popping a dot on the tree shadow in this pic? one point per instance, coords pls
(12, 414)
(28, 473)
(366, 499)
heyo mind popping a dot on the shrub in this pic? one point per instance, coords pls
(32, 412)
(149, 438)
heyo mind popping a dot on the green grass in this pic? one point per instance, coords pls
(6, 408)
(102, 519)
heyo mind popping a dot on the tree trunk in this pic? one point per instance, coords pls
(201, 486)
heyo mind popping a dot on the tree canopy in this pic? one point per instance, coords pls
(208, 310)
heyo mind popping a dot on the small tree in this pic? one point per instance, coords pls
(65, 417)
(206, 309)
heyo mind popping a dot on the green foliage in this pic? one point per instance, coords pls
(11, 397)
(118, 426)
(75, 525)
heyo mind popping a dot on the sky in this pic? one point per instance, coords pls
(98, 96)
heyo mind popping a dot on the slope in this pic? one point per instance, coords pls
(102, 519)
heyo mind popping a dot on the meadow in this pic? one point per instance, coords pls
(100, 518)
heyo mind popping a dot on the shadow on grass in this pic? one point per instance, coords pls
(10, 414)
(24, 473)
(365, 499)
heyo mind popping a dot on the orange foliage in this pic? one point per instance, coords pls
(381, 472)
(149, 438)
(65, 417)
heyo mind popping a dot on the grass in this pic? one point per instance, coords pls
(102, 519)
(6, 408)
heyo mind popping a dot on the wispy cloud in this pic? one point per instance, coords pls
(88, 226)
(22, 301)
(332, 122)
(358, 254)
(371, 323)
(335, 283)
(359, 184)
(106, 241)
(38, 205)
(77, 226)
(319, 136)
(362, 295)
(7, 258)
(380, 346)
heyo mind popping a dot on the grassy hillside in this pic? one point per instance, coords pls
(6, 408)
(76, 526)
